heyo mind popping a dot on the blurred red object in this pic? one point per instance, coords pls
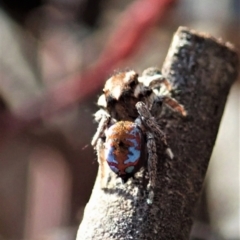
(139, 17)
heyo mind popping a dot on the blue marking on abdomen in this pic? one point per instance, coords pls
(134, 131)
(110, 155)
(134, 153)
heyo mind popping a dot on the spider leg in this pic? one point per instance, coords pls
(152, 131)
(155, 81)
(153, 78)
(152, 164)
(156, 107)
(151, 71)
(151, 124)
(158, 80)
(102, 164)
(174, 105)
(151, 161)
(103, 118)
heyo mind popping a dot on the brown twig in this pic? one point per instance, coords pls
(201, 70)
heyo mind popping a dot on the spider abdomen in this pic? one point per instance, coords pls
(123, 148)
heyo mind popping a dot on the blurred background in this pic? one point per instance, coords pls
(54, 58)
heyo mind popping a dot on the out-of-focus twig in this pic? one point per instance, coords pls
(134, 23)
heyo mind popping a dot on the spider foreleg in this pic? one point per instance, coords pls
(153, 78)
(156, 107)
(174, 105)
(152, 125)
(152, 158)
(103, 168)
(103, 118)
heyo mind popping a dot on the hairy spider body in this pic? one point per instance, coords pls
(121, 93)
(127, 126)
(124, 148)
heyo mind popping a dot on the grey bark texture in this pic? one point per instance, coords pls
(201, 70)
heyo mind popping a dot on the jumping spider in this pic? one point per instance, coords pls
(127, 125)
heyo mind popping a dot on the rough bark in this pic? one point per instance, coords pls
(201, 70)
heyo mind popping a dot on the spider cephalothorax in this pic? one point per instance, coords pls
(127, 125)
(120, 94)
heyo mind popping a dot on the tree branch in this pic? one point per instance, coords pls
(201, 70)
